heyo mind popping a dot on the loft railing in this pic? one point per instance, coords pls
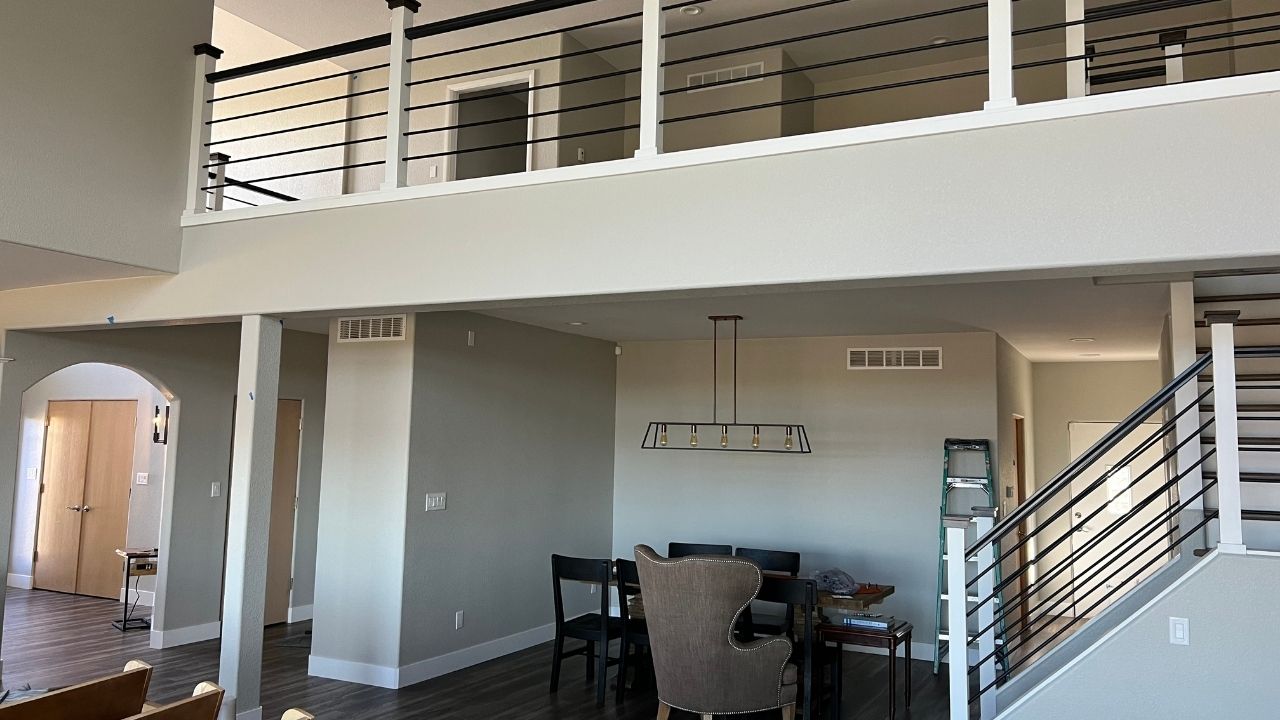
(1134, 501)
(551, 83)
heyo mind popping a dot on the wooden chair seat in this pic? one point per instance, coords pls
(110, 698)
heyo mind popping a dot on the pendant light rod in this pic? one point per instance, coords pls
(715, 364)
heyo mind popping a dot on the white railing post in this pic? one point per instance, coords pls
(1222, 326)
(219, 179)
(396, 170)
(653, 54)
(1077, 70)
(1182, 345)
(201, 113)
(957, 622)
(985, 519)
(1000, 54)
(1172, 42)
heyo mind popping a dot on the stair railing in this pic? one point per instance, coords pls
(1054, 569)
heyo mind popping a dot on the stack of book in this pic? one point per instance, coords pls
(869, 621)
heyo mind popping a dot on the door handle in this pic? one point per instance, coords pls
(73, 508)
(86, 508)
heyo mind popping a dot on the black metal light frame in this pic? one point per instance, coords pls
(156, 436)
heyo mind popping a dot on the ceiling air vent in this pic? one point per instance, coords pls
(380, 328)
(920, 358)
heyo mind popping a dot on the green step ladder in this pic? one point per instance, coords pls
(978, 480)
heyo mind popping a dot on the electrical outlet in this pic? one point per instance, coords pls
(582, 154)
(458, 620)
(435, 171)
(1179, 631)
(435, 501)
(33, 473)
(144, 478)
(215, 489)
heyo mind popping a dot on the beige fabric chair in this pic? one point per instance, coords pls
(109, 698)
(691, 606)
(297, 714)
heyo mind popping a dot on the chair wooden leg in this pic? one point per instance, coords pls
(622, 669)
(591, 662)
(558, 649)
(789, 712)
(602, 673)
(664, 710)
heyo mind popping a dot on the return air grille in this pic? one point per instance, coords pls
(742, 73)
(920, 358)
(382, 328)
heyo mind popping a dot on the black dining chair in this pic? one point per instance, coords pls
(772, 561)
(678, 549)
(635, 632)
(596, 628)
(803, 594)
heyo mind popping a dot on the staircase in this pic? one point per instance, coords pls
(1208, 489)
(1256, 294)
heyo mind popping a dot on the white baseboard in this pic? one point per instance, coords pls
(300, 613)
(474, 655)
(23, 582)
(405, 675)
(161, 639)
(146, 598)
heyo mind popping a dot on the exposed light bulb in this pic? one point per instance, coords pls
(662, 437)
(724, 436)
(693, 436)
(755, 438)
(788, 443)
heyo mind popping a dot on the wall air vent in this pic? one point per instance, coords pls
(379, 328)
(742, 74)
(920, 358)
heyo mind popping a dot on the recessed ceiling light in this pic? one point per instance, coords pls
(691, 10)
(940, 40)
(1090, 355)
(576, 323)
(1083, 339)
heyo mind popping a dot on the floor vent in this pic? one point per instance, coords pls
(920, 358)
(742, 74)
(380, 328)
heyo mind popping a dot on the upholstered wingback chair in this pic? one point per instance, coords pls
(691, 606)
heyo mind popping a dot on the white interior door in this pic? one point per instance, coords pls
(1123, 550)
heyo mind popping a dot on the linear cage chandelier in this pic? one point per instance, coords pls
(734, 436)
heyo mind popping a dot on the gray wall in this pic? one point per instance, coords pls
(1227, 670)
(518, 430)
(866, 500)
(96, 112)
(198, 365)
(1015, 396)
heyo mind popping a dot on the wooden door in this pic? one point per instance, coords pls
(284, 490)
(108, 477)
(66, 444)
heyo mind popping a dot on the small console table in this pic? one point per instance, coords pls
(138, 563)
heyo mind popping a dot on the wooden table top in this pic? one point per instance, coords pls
(867, 596)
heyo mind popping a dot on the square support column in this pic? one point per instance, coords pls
(249, 516)
(1077, 70)
(1182, 346)
(201, 113)
(1000, 55)
(957, 616)
(396, 171)
(653, 54)
(1222, 328)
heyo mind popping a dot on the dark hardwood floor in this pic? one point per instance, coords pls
(51, 640)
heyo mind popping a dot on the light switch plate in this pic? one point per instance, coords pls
(144, 479)
(1179, 631)
(458, 620)
(215, 490)
(435, 501)
(33, 473)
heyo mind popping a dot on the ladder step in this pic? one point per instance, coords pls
(1249, 477)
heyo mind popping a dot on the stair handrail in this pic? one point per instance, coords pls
(1104, 444)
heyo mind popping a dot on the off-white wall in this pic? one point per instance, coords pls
(518, 430)
(244, 43)
(197, 364)
(91, 381)
(94, 125)
(1077, 392)
(866, 500)
(1015, 396)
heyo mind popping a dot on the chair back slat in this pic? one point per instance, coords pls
(109, 698)
(589, 570)
(679, 549)
(201, 706)
(775, 561)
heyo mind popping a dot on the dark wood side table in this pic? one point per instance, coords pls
(890, 639)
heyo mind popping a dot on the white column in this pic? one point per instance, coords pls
(249, 516)
(957, 624)
(1182, 342)
(1000, 54)
(1173, 43)
(985, 519)
(653, 53)
(201, 113)
(396, 170)
(219, 179)
(1077, 70)
(1226, 432)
